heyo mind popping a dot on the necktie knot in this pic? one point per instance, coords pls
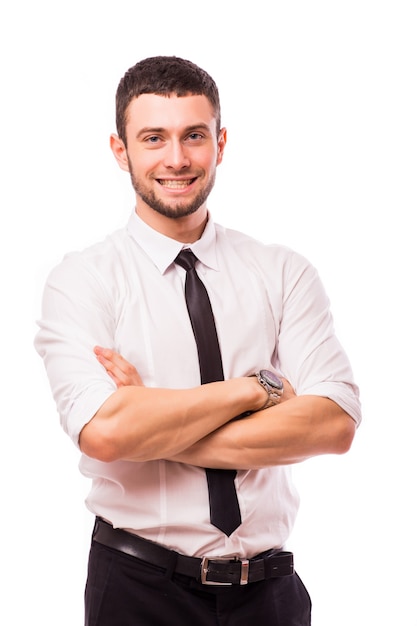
(186, 259)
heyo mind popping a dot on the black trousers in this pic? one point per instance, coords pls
(124, 591)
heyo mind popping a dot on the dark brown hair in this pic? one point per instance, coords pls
(164, 76)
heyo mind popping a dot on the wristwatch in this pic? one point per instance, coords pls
(273, 386)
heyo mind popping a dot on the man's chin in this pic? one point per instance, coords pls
(175, 212)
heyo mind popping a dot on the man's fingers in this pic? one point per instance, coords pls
(119, 369)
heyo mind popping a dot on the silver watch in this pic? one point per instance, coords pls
(273, 386)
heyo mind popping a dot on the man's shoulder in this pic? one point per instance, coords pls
(108, 246)
(95, 258)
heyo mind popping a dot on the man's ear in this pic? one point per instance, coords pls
(221, 143)
(120, 153)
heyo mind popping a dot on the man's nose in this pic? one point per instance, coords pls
(176, 155)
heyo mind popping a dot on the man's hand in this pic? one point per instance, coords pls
(121, 371)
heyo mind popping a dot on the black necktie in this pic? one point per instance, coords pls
(224, 506)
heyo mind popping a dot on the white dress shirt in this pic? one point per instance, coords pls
(127, 294)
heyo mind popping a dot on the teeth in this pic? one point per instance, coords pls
(175, 184)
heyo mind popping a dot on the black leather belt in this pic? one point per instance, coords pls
(207, 570)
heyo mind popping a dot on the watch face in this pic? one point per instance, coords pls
(271, 379)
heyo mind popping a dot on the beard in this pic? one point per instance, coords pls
(179, 210)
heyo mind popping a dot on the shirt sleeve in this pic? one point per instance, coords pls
(309, 353)
(75, 317)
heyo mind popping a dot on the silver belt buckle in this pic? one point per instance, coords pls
(244, 569)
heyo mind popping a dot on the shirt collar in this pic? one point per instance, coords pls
(163, 250)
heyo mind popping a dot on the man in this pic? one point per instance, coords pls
(122, 348)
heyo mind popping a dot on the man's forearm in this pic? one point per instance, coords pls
(291, 432)
(141, 423)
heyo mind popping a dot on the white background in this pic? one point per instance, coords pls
(319, 98)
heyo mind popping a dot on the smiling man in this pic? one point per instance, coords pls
(191, 365)
(172, 167)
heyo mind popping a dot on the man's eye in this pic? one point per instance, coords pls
(153, 139)
(195, 136)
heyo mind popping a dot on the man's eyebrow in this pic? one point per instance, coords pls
(149, 130)
(200, 126)
(154, 130)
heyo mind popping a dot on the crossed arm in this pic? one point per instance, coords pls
(197, 426)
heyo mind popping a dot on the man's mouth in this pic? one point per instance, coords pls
(176, 183)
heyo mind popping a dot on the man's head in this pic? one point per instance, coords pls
(169, 140)
(164, 76)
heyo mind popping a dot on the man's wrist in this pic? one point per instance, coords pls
(273, 386)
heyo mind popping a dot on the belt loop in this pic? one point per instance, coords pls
(172, 564)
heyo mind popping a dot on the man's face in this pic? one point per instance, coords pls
(172, 153)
